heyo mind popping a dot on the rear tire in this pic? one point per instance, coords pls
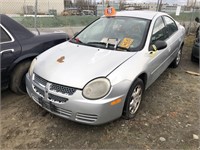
(133, 99)
(17, 80)
(177, 60)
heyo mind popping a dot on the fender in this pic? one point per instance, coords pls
(22, 58)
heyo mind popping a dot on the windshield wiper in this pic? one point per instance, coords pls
(96, 43)
(107, 43)
(115, 46)
(123, 48)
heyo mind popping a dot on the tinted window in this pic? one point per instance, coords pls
(4, 37)
(159, 31)
(170, 25)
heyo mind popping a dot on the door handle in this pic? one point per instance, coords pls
(7, 51)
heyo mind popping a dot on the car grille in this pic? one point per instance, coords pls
(66, 113)
(54, 87)
(86, 117)
(57, 98)
(40, 80)
(62, 89)
(39, 91)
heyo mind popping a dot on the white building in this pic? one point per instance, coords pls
(28, 6)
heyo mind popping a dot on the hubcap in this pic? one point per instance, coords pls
(178, 58)
(135, 99)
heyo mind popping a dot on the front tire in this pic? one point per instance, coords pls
(17, 80)
(133, 99)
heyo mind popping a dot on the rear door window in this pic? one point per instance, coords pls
(170, 26)
(159, 31)
(4, 37)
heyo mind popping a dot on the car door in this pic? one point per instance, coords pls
(157, 60)
(10, 49)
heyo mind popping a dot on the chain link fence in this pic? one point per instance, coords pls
(66, 16)
(187, 18)
(47, 15)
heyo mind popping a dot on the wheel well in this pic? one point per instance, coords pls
(143, 77)
(26, 59)
(182, 44)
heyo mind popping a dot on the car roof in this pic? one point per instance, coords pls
(140, 14)
(15, 28)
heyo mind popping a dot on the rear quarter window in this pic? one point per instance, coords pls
(4, 37)
(159, 31)
(170, 25)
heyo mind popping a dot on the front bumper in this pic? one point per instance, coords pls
(74, 106)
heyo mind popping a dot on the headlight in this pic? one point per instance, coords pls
(32, 67)
(96, 88)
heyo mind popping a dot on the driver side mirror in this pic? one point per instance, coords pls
(158, 45)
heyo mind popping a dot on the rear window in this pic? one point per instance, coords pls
(4, 37)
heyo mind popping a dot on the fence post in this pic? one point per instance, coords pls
(35, 18)
(192, 17)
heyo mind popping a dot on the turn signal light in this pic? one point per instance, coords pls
(116, 101)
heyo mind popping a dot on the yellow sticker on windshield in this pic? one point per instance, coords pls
(126, 42)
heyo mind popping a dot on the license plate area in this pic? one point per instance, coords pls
(48, 105)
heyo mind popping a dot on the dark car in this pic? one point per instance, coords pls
(195, 50)
(18, 47)
(196, 46)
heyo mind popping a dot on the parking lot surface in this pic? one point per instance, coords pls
(168, 119)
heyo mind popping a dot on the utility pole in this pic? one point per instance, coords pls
(192, 17)
(157, 7)
(35, 19)
(160, 5)
(103, 6)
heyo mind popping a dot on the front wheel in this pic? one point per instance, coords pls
(133, 99)
(17, 81)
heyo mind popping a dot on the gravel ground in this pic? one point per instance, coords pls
(168, 119)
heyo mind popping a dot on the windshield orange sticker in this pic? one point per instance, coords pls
(126, 42)
(110, 11)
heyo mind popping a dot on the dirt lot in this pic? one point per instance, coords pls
(168, 119)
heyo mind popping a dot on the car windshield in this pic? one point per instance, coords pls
(120, 33)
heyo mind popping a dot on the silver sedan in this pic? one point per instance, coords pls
(102, 72)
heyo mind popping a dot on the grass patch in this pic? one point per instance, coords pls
(57, 21)
(61, 21)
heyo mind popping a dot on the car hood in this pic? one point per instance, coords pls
(75, 65)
